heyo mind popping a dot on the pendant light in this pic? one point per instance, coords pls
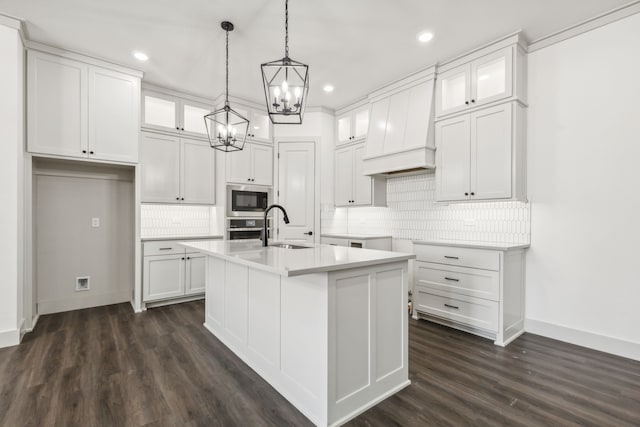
(286, 84)
(226, 128)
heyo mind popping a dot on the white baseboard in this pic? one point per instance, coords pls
(84, 301)
(34, 322)
(9, 338)
(587, 339)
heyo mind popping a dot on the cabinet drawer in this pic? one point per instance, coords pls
(459, 280)
(475, 312)
(162, 248)
(465, 257)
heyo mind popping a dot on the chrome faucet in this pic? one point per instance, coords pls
(265, 228)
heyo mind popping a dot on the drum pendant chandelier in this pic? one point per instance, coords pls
(226, 128)
(286, 84)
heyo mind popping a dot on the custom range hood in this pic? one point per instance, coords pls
(401, 130)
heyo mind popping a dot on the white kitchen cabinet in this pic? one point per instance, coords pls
(352, 187)
(174, 114)
(176, 170)
(476, 290)
(80, 110)
(253, 164)
(493, 74)
(170, 271)
(259, 129)
(353, 125)
(480, 156)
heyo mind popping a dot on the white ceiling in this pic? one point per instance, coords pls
(356, 45)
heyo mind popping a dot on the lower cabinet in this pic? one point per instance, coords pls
(476, 290)
(171, 272)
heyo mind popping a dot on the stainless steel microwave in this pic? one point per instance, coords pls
(247, 200)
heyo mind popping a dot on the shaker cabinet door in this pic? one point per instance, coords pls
(160, 168)
(198, 172)
(452, 159)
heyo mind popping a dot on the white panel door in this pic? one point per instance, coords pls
(56, 105)
(361, 182)
(296, 187)
(160, 111)
(396, 122)
(193, 118)
(492, 77)
(262, 159)
(491, 153)
(344, 177)
(163, 277)
(419, 113)
(198, 175)
(454, 90)
(195, 279)
(260, 127)
(114, 115)
(160, 168)
(239, 165)
(377, 127)
(452, 159)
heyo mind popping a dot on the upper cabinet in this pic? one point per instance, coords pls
(481, 78)
(353, 125)
(352, 187)
(81, 110)
(253, 165)
(174, 114)
(259, 123)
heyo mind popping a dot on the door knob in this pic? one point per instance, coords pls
(309, 233)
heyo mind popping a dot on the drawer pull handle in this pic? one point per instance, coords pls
(451, 257)
(451, 306)
(165, 249)
(453, 280)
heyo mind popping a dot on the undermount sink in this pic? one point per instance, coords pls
(289, 246)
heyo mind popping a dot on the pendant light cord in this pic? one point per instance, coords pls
(226, 100)
(286, 28)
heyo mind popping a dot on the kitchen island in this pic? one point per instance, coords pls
(326, 326)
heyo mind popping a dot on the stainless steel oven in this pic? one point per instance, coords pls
(246, 228)
(247, 200)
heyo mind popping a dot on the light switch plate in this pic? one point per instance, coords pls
(95, 222)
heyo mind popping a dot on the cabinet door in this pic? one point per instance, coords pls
(239, 165)
(197, 172)
(453, 147)
(260, 126)
(114, 115)
(56, 105)
(262, 159)
(377, 127)
(361, 182)
(491, 153)
(344, 128)
(163, 277)
(344, 177)
(453, 92)
(160, 111)
(160, 168)
(195, 281)
(492, 76)
(192, 116)
(361, 123)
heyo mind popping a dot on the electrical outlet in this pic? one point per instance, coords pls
(95, 222)
(82, 283)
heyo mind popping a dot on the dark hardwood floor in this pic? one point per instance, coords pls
(109, 367)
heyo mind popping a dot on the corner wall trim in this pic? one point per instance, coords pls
(586, 26)
(587, 339)
(9, 338)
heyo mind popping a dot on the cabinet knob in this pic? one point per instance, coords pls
(84, 151)
(177, 198)
(181, 128)
(177, 128)
(90, 152)
(182, 198)
(466, 194)
(473, 194)
(466, 102)
(182, 258)
(473, 100)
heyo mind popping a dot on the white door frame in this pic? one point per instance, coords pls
(276, 178)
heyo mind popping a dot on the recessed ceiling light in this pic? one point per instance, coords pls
(328, 88)
(425, 36)
(141, 56)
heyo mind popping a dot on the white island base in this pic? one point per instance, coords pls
(333, 343)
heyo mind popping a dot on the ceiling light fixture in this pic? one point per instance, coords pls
(328, 88)
(224, 125)
(425, 37)
(286, 84)
(141, 56)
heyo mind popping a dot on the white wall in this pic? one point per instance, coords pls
(583, 284)
(11, 182)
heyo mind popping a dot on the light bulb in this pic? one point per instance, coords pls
(285, 86)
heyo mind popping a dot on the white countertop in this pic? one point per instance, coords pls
(161, 238)
(355, 236)
(498, 246)
(294, 262)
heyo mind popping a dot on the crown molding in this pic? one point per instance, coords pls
(15, 23)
